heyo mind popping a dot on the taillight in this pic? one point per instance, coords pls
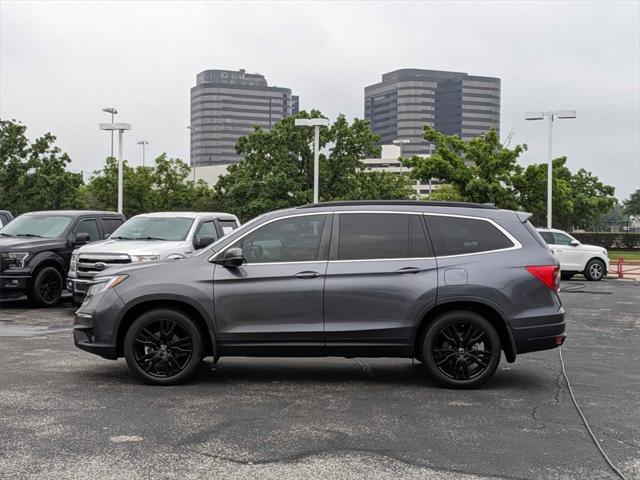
(547, 274)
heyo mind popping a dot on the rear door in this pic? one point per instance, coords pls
(380, 279)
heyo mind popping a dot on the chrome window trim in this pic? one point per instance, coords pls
(516, 244)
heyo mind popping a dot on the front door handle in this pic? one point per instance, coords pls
(408, 270)
(308, 275)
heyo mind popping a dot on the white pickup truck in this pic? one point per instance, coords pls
(144, 238)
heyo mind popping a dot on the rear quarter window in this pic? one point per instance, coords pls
(110, 225)
(460, 236)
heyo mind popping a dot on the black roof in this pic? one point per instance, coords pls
(416, 203)
(72, 212)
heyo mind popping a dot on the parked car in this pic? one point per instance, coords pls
(35, 249)
(575, 257)
(5, 217)
(144, 238)
(451, 284)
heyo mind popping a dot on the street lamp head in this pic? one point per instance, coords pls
(534, 116)
(311, 122)
(115, 126)
(110, 110)
(143, 142)
(565, 114)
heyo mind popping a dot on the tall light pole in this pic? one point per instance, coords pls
(113, 112)
(192, 130)
(551, 116)
(316, 123)
(144, 143)
(120, 127)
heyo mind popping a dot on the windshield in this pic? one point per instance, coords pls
(37, 226)
(154, 228)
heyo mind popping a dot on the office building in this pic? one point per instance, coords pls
(226, 105)
(452, 102)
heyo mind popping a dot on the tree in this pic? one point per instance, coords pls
(33, 175)
(276, 170)
(481, 170)
(632, 204)
(164, 187)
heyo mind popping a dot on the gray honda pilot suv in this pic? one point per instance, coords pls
(451, 284)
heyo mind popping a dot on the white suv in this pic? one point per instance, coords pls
(576, 257)
(145, 238)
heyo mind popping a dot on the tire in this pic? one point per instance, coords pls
(566, 275)
(448, 349)
(47, 287)
(163, 347)
(595, 270)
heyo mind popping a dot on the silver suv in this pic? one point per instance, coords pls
(451, 284)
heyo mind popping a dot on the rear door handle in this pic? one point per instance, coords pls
(308, 275)
(408, 270)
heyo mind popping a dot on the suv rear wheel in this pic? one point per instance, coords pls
(47, 287)
(461, 349)
(594, 270)
(163, 347)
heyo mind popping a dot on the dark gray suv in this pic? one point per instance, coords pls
(451, 284)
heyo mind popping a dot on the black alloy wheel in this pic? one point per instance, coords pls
(163, 347)
(47, 287)
(462, 349)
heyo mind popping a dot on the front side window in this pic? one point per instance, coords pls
(90, 227)
(295, 239)
(154, 228)
(37, 226)
(206, 229)
(459, 236)
(364, 236)
(562, 239)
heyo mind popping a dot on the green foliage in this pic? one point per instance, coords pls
(33, 175)
(277, 168)
(166, 186)
(632, 204)
(481, 170)
(446, 193)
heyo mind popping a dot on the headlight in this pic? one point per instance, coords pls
(101, 284)
(145, 258)
(73, 266)
(16, 260)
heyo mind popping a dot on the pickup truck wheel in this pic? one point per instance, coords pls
(47, 287)
(594, 270)
(163, 347)
(461, 349)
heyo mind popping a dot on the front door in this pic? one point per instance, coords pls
(381, 278)
(569, 255)
(272, 304)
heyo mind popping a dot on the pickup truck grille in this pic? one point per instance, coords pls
(91, 264)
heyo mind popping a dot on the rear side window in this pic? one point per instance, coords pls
(548, 237)
(379, 235)
(227, 226)
(110, 225)
(459, 236)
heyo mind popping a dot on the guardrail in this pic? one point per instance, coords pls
(630, 267)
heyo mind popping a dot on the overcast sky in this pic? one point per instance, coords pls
(62, 62)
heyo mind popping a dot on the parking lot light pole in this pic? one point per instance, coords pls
(551, 116)
(113, 112)
(120, 127)
(144, 143)
(316, 123)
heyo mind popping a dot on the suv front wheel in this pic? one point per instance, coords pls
(461, 349)
(163, 347)
(595, 270)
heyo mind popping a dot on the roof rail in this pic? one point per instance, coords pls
(415, 203)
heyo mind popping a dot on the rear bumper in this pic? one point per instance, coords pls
(548, 333)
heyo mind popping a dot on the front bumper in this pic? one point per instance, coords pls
(14, 284)
(78, 287)
(96, 322)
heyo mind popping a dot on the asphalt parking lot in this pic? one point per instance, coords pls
(67, 414)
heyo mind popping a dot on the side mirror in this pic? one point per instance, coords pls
(81, 238)
(203, 241)
(575, 243)
(232, 258)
